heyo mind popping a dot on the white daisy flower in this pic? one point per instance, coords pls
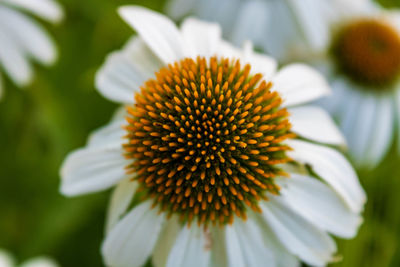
(286, 29)
(23, 39)
(216, 161)
(7, 260)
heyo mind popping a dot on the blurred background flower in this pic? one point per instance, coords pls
(39, 126)
(23, 39)
(8, 260)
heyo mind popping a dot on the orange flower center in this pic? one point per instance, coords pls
(205, 138)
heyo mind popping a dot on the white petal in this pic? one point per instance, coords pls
(203, 37)
(131, 242)
(165, 242)
(30, 36)
(158, 31)
(319, 204)
(299, 83)
(315, 25)
(125, 71)
(246, 238)
(219, 257)
(190, 249)
(226, 49)
(361, 126)
(333, 103)
(108, 134)
(46, 9)
(235, 256)
(333, 168)
(261, 63)
(97, 166)
(177, 9)
(382, 137)
(347, 113)
(252, 23)
(39, 262)
(6, 259)
(224, 12)
(13, 60)
(120, 200)
(315, 124)
(286, 41)
(283, 257)
(301, 238)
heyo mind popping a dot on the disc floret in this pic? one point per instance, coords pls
(206, 139)
(368, 52)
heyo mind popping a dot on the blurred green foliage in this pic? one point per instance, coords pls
(41, 124)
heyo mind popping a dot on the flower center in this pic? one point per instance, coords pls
(368, 51)
(206, 139)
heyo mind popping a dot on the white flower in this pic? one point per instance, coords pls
(286, 29)
(206, 144)
(7, 260)
(23, 39)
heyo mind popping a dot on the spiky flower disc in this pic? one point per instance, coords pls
(368, 51)
(205, 137)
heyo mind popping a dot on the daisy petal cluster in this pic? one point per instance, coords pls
(23, 39)
(215, 157)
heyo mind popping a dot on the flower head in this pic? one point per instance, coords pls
(21, 38)
(214, 158)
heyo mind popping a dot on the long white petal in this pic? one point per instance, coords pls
(360, 126)
(46, 9)
(158, 31)
(132, 240)
(382, 137)
(203, 37)
(314, 123)
(166, 241)
(250, 244)
(252, 23)
(97, 166)
(190, 249)
(312, 16)
(332, 167)
(319, 204)
(30, 36)
(283, 257)
(120, 200)
(108, 134)
(298, 84)
(301, 238)
(125, 71)
(236, 258)
(13, 61)
(224, 12)
(219, 257)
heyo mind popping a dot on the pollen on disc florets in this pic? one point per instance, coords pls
(206, 138)
(368, 52)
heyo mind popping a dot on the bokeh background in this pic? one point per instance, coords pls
(54, 115)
